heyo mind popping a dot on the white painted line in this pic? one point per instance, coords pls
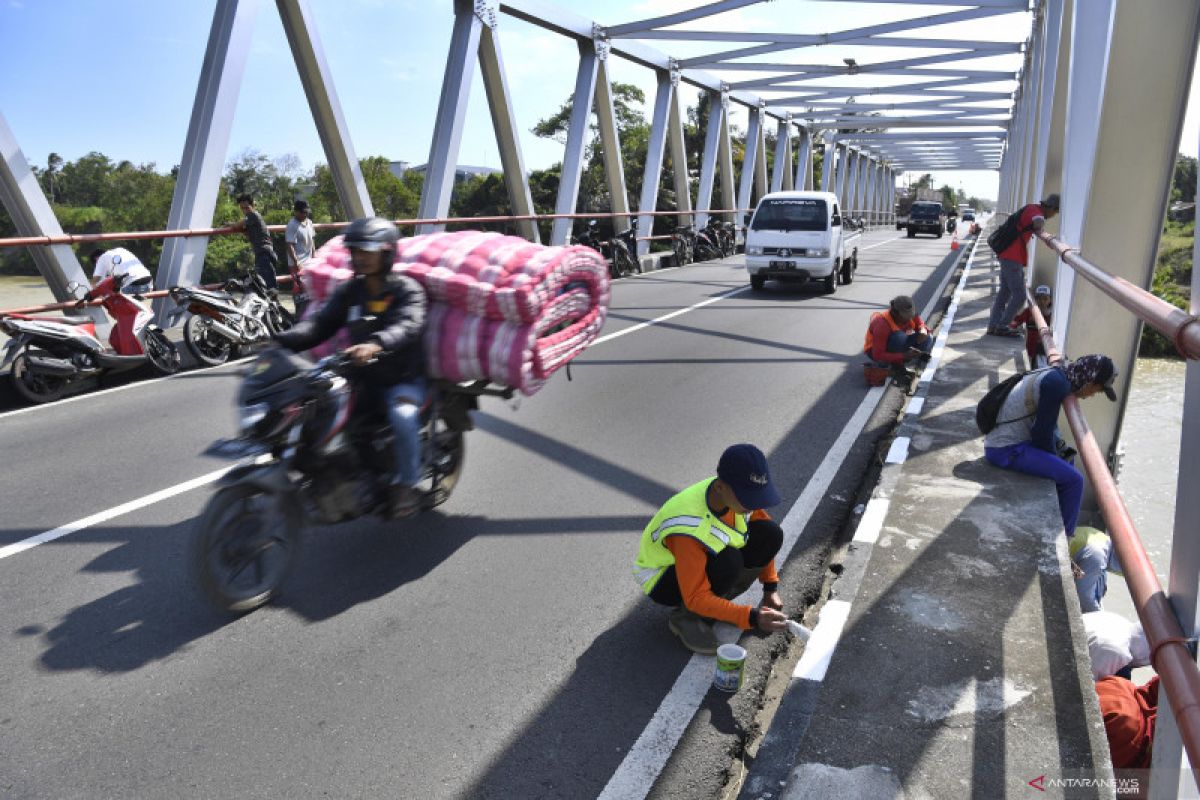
(104, 516)
(819, 650)
(871, 523)
(898, 452)
(666, 317)
(915, 405)
(132, 385)
(880, 244)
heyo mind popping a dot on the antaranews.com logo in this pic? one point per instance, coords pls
(1120, 786)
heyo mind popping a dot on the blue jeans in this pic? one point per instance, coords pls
(1024, 457)
(1092, 587)
(404, 413)
(899, 342)
(1010, 297)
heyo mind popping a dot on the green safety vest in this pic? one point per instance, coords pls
(1085, 535)
(685, 514)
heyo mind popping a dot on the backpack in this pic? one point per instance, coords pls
(988, 409)
(1007, 233)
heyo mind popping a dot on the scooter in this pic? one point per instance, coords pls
(307, 459)
(221, 324)
(54, 356)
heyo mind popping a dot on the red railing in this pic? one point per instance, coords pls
(83, 238)
(1169, 654)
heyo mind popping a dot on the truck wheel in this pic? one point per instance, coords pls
(831, 280)
(848, 267)
(911, 233)
(757, 282)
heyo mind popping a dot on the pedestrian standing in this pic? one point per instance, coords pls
(299, 238)
(1013, 259)
(265, 260)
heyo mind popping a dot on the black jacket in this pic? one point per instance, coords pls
(395, 319)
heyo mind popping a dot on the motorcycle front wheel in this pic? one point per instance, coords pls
(244, 547)
(206, 345)
(34, 387)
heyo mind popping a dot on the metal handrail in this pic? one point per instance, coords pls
(1174, 323)
(1169, 653)
(81, 238)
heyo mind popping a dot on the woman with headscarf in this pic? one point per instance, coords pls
(1026, 433)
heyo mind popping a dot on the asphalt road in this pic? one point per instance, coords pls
(495, 648)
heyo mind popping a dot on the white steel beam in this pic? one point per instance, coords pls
(495, 84)
(610, 143)
(451, 115)
(708, 161)
(203, 161)
(667, 82)
(317, 80)
(625, 29)
(577, 132)
(679, 161)
(32, 215)
(827, 168)
(783, 156)
(804, 145)
(1052, 119)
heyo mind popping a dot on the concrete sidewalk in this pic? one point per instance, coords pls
(950, 659)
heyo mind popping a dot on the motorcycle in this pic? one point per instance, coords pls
(625, 251)
(681, 245)
(728, 237)
(52, 356)
(221, 325)
(308, 459)
(616, 251)
(708, 245)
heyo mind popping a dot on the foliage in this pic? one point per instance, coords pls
(1172, 281)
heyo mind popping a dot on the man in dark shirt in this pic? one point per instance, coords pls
(384, 313)
(265, 260)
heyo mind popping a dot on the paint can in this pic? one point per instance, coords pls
(731, 667)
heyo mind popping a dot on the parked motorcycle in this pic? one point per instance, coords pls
(54, 356)
(625, 251)
(728, 237)
(708, 245)
(221, 324)
(615, 251)
(681, 245)
(310, 460)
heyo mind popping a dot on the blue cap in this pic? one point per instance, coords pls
(744, 468)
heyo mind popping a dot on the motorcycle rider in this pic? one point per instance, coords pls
(384, 313)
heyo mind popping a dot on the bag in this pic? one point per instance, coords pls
(875, 376)
(1000, 239)
(988, 409)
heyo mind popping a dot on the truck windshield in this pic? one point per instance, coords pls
(791, 214)
(926, 211)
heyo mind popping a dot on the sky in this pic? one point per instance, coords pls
(120, 76)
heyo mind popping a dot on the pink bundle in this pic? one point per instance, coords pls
(501, 308)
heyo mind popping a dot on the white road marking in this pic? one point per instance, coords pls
(665, 317)
(819, 650)
(105, 516)
(871, 523)
(898, 452)
(915, 405)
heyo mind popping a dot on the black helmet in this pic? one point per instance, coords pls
(370, 233)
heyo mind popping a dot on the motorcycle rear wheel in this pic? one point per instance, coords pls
(36, 388)
(244, 547)
(162, 352)
(206, 346)
(452, 445)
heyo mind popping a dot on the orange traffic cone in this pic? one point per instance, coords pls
(954, 242)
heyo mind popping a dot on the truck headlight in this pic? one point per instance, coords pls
(819, 252)
(754, 251)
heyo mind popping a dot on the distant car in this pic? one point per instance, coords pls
(926, 216)
(968, 215)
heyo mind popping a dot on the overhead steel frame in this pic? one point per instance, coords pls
(781, 175)
(718, 154)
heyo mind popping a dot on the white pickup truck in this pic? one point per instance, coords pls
(800, 236)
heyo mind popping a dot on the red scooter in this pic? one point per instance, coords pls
(54, 356)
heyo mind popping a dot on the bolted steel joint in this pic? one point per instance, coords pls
(674, 71)
(602, 47)
(487, 11)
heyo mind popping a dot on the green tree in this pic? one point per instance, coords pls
(1183, 183)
